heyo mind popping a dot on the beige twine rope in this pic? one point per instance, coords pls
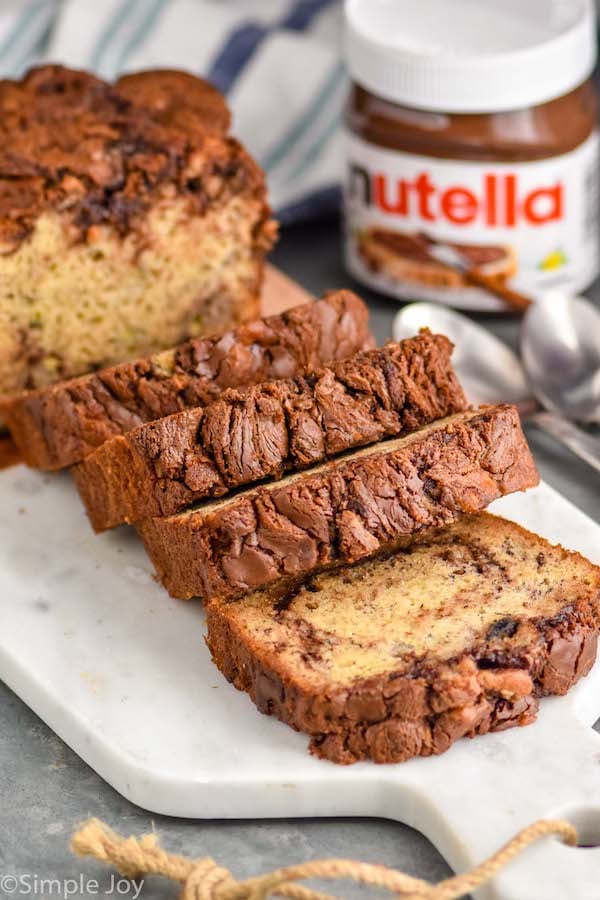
(203, 879)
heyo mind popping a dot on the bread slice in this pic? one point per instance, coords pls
(457, 634)
(342, 510)
(130, 220)
(262, 431)
(58, 426)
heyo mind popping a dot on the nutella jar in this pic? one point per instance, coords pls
(471, 148)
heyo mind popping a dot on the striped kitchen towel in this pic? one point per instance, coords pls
(277, 61)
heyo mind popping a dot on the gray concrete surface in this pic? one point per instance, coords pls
(45, 790)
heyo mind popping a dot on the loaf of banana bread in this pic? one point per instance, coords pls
(255, 433)
(129, 221)
(60, 425)
(342, 510)
(458, 634)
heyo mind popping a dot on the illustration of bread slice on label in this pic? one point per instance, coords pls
(407, 256)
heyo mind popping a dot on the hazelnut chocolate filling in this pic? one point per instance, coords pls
(539, 132)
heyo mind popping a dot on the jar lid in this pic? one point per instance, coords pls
(470, 55)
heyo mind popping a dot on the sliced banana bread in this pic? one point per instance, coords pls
(457, 634)
(129, 221)
(59, 425)
(262, 431)
(342, 510)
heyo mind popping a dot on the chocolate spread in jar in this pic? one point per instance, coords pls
(449, 149)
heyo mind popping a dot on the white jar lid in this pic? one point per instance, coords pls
(470, 55)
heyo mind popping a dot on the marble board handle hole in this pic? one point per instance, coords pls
(586, 820)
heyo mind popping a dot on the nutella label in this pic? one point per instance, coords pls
(416, 227)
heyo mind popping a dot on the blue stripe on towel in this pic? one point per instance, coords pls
(37, 40)
(302, 13)
(326, 131)
(153, 10)
(313, 152)
(237, 50)
(108, 34)
(277, 153)
(19, 29)
(243, 42)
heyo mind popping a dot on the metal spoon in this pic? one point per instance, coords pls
(491, 373)
(560, 348)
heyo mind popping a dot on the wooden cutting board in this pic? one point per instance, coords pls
(280, 292)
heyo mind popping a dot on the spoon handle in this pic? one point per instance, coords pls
(584, 445)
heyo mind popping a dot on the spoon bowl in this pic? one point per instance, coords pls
(491, 373)
(489, 370)
(560, 346)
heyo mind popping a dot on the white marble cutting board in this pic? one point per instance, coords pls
(121, 673)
